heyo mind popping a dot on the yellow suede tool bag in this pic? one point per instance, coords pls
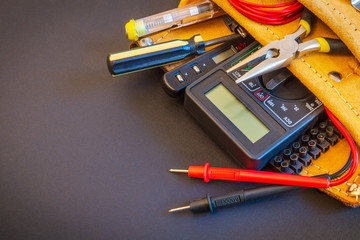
(335, 19)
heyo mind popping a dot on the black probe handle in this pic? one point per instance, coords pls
(331, 45)
(208, 204)
(154, 56)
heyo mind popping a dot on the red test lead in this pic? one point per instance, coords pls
(243, 175)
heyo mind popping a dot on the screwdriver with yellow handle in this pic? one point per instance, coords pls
(157, 55)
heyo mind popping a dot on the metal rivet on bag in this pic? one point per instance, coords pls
(144, 42)
(336, 76)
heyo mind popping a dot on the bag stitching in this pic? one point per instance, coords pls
(320, 76)
(346, 19)
(333, 87)
(343, 16)
(354, 72)
(165, 34)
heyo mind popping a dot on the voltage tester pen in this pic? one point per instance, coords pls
(175, 18)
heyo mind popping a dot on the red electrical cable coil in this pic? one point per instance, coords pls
(268, 6)
(269, 14)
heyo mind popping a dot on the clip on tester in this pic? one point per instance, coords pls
(175, 81)
(256, 119)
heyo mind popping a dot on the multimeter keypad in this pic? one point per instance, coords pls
(289, 112)
(196, 69)
(261, 94)
(251, 85)
(175, 81)
(179, 77)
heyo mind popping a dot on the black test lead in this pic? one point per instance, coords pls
(209, 204)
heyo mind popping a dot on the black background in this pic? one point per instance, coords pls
(85, 156)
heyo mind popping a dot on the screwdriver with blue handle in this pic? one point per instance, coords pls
(160, 54)
(280, 53)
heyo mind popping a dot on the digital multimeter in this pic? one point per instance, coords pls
(175, 81)
(256, 119)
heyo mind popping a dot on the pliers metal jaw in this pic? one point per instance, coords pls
(280, 53)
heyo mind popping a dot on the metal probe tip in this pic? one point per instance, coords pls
(178, 170)
(179, 209)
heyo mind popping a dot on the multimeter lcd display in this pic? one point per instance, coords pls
(223, 55)
(237, 113)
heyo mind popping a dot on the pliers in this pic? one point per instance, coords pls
(280, 53)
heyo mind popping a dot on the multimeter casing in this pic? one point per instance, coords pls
(286, 119)
(175, 81)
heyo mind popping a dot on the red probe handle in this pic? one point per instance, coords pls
(230, 174)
